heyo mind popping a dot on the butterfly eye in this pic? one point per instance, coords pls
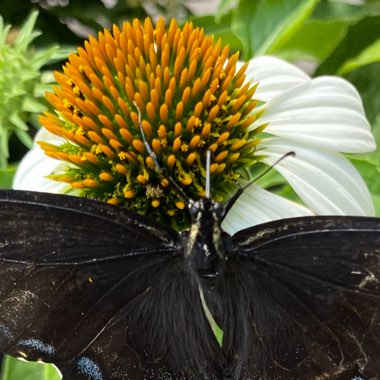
(194, 209)
(219, 211)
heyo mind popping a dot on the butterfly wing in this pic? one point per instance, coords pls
(100, 287)
(302, 299)
(160, 334)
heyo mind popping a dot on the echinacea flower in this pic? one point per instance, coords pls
(193, 97)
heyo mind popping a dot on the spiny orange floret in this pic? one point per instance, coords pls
(191, 99)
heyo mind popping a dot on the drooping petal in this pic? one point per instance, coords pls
(274, 76)
(256, 206)
(325, 112)
(34, 168)
(326, 181)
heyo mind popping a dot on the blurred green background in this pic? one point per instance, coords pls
(324, 37)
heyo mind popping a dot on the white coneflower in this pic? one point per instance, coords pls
(194, 97)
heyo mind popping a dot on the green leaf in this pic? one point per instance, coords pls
(372, 158)
(33, 106)
(4, 30)
(17, 121)
(22, 84)
(339, 10)
(14, 369)
(266, 25)
(366, 80)
(6, 177)
(315, 40)
(26, 34)
(223, 7)
(360, 36)
(43, 56)
(369, 55)
(368, 165)
(24, 137)
(376, 202)
(4, 150)
(220, 28)
(371, 175)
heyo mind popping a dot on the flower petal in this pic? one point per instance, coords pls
(274, 76)
(256, 206)
(326, 111)
(35, 166)
(326, 181)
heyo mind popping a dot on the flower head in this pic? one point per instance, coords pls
(194, 97)
(191, 98)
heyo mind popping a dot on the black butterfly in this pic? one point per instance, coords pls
(107, 294)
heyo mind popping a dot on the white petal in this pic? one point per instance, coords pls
(256, 206)
(35, 166)
(326, 111)
(46, 136)
(274, 77)
(326, 181)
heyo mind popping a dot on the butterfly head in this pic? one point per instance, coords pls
(205, 244)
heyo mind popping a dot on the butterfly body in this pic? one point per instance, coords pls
(205, 244)
(107, 294)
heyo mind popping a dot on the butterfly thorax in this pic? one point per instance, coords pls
(205, 244)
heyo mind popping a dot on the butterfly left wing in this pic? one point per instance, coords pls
(302, 299)
(99, 286)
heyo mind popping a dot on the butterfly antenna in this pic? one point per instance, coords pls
(241, 189)
(208, 177)
(160, 170)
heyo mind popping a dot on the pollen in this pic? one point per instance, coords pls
(155, 203)
(142, 179)
(129, 193)
(180, 205)
(106, 176)
(143, 95)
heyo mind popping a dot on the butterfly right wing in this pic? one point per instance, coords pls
(302, 300)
